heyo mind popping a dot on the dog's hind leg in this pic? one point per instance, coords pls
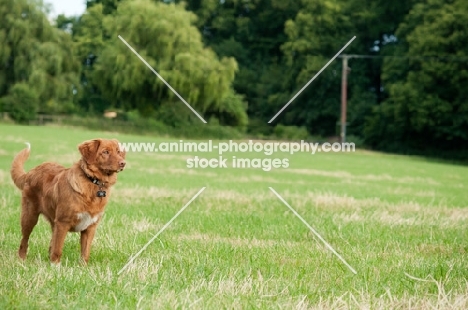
(51, 239)
(29, 218)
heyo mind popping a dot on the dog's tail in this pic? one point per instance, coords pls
(17, 170)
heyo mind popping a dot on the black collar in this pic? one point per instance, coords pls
(100, 193)
(94, 180)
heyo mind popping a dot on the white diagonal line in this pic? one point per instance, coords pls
(317, 74)
(162, 79)
(314, 232)
(160, 231)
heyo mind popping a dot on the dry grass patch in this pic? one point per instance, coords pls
(395, 216)
(363, 300)
(367, 177)
(176, 171)
(334, 174)
(11, 138)
(143, 225)
(5, 177)
(260, 179)
(242, 242)
(405, 191)
(126, 192)
(347, 209)
(179, 171)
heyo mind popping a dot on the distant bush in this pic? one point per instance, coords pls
(20, 103)
(358, 142)
(290, 132)
(259, 128)
(132, 122)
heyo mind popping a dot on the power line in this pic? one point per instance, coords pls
(457, 58)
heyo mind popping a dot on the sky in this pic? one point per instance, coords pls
(67, 7)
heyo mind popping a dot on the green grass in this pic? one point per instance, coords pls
(400, 221)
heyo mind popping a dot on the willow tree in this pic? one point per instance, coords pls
(165, 36)
(37, 69)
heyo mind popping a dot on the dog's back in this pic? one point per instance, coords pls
(38, 176)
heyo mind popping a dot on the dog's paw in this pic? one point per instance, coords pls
(83, 262)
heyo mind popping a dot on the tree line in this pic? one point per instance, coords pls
(238, 62)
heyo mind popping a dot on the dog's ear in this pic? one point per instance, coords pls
(88, 149)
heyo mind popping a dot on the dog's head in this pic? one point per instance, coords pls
(105, 155)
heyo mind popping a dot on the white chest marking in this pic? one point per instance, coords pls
(86, 220)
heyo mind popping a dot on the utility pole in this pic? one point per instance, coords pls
(344, 96)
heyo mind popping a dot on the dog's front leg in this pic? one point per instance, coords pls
(58, 239)
(87, 237)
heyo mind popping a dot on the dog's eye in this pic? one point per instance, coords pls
(105, 152)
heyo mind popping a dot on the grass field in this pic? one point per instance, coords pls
(401, 222)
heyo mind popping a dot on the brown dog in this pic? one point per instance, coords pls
(71, 199)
